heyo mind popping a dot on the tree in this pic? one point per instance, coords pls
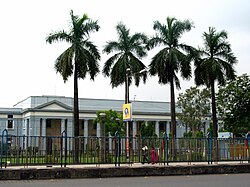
(126, 63)
(215, 63)
(112, 121)
(195, 106)
(172, 58)
(234, 105)
(80, 58)
(148, 130)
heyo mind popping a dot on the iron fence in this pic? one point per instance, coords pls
(41, 150)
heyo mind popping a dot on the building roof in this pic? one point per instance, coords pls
(88, 104)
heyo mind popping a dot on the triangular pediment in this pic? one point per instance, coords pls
(54, 105)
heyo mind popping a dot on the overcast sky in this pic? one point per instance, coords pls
(27, 61)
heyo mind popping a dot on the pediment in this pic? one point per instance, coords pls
(53, 105)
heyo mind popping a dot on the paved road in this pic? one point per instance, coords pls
(232, 180)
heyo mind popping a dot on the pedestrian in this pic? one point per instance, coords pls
(153, 155)
(247, 144)
(247, 139)
(144, 154)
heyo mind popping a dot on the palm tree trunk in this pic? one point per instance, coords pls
(126, 89)
(76, 117)
(215, 126)
(173, 116)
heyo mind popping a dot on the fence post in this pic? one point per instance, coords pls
(209, 147)
(2, 147)
(117, 135)
(64, 135)
(165, 138)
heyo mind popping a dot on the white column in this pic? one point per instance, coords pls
(86, 132)
(167, 127)
(44, 133)
(62, 125)
(134, 135)
(134, 128)
(157, 128)
(98, 130)
(43, 127)
(86, 128)
(70, 127)
(110, 143)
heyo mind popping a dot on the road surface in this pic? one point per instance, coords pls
(230, 180)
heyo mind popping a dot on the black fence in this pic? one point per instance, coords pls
(40, 150)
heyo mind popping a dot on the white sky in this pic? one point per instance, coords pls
(27, 61)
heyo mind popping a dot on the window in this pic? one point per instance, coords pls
(48, 123)
(82, 124)
(10, 122)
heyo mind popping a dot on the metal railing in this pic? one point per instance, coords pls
(47, 150)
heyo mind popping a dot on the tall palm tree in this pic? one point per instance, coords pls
(80, 58)
(126, 63)
(215, 63)
(172, 58)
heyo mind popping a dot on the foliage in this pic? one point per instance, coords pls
(82, 55)
(130, 49)
(196, 134)
(171, 59)
(113, 122)
(147, 129)
(214, 63)
(234, 104)
(195, 106)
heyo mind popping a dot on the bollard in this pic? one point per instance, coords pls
(2, 147)
(118, 148)
(64, 136)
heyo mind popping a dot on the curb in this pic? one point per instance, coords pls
(123, 171)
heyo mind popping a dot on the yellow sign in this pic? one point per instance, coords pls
(127, 112)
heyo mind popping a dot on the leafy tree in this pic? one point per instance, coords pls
(195, 105)
(196, 134)
(234, 104)
(126, 63)
(80, 58)
(171, 59)
(112, 121)
(147, 130)
(215, 63)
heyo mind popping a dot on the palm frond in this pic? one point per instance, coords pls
(84, 52)
(109, 63)
(130, 49)
(153, 42)
(64, 65)
(111, 46)
(58, 36)
(92, 49)
(118, 72)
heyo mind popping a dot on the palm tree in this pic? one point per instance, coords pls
(215, 63)
(79, 59)
(172, 58)
(126, 63)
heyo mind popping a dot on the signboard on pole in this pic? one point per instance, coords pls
(127, 112)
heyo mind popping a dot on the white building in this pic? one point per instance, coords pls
(51, 115)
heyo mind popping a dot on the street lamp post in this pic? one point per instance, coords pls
(126, 102)
(102, 136)
(127, 74)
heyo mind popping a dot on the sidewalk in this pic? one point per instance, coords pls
(127, 165)
(125, 170)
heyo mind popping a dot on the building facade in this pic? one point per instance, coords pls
(51, 115)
